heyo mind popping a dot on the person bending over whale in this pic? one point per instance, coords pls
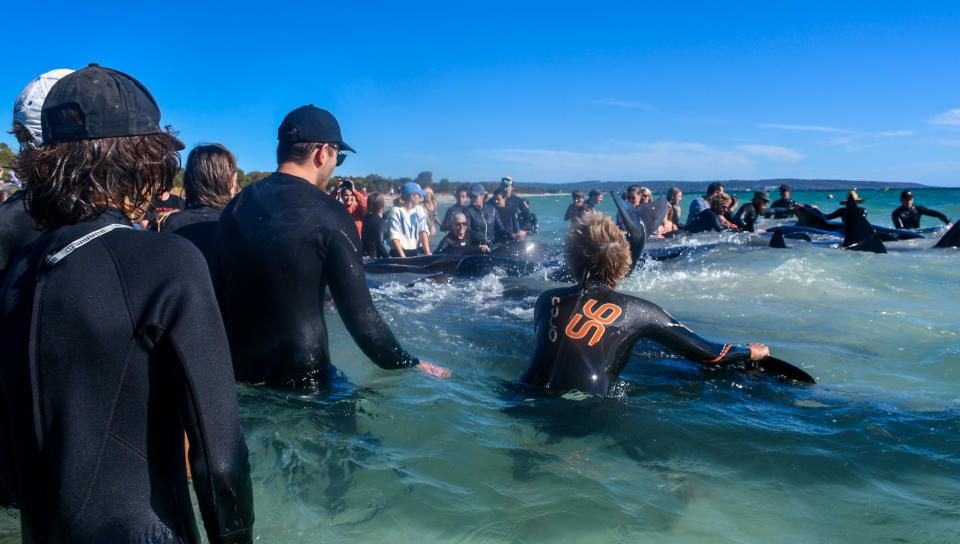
(585, 333)
(484, 222)
(456, 242)
(280, 243)
(113, 345)
(907, 216)
(712, 218)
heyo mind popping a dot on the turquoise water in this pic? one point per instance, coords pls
(869, 454)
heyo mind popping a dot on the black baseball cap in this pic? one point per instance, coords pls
(97, 102)
(312, 124)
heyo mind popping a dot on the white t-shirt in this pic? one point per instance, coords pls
(406, 226)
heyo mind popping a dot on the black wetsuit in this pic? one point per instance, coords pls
(279, 244)
(909, 218)
(485, 225)
(842, 213)
(707, 220)
(17, 230)
(372, 236)
(511, 213)
(449, 245)
(575, 212)
(746, 217)
(584, 337)
(781, 208)
(195, 223)
(109, 356)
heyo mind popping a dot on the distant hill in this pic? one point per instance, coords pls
(660, 186)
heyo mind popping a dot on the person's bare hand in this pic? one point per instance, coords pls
(758, 351)
(434, 370)
(485, 248)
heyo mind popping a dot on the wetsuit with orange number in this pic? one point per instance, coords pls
(585, 333)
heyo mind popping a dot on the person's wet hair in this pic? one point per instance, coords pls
(69, 181)
(375, 203)
(21, 133)
(209, 177)
(595, 243)
(500, 192)
(720, 198)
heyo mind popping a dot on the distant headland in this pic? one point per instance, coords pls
(731, 185)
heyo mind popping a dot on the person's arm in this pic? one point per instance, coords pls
(424, 230)
(425, 242)
(382, 252)
(897, 221)
(361, 210)
(394, 230)
(834, 215)
(208, 406)
(670, 333)
(720, 223)
(571, 212)
(395, 245)
(348, 285)
(933, 213)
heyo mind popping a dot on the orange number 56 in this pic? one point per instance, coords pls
(597, 319)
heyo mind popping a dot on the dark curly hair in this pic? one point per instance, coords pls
(69, 181)
(209, 177)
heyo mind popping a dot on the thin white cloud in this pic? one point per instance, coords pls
(850, 143)
(771, 152)
(809, 128)
(897, 133)
(950, 117)
(665, 160)
(621, 104)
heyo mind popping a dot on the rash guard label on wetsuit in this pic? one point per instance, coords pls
(598, 319)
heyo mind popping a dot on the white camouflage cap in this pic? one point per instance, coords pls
(27, 108)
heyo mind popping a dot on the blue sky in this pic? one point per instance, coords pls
(545, 91)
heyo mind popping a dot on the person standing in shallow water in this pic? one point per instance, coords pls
(280, 243)
(209, 182)
(907, 216)
(576, 208)
(113, 346)
(17, 228)
(585, 333)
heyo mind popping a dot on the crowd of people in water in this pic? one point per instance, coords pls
(127, 312)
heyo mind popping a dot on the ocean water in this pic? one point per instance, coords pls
(869, 454)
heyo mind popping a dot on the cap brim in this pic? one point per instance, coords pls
(344, 147)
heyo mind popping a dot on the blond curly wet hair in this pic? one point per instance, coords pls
(595, 243)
